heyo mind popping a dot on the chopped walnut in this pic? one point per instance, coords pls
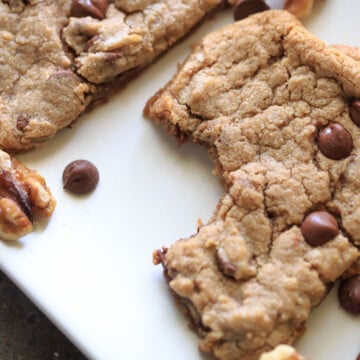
(23, 194)
(299, 8)
(282, 352)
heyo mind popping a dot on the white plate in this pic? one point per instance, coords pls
(90, 269)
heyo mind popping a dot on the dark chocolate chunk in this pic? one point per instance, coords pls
(94, 8)
(80, 177)
(319, 227)
(335, 142)
(355, 112)
(349, 295)
(244, 8)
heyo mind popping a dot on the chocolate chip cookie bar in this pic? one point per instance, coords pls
(54, 52)
(278, 111)
(24, 197)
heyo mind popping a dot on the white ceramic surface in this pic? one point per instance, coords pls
(90, 268)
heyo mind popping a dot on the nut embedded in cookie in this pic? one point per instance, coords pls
(257, 94)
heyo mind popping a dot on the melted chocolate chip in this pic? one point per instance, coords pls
(335, 142)
(319, 227)
(244, 8)
(349, 295)
(80, 177)
(94, 8)
(355, 112)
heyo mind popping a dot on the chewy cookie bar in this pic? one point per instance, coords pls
(278, 111)
(53, 52)
(58, 56)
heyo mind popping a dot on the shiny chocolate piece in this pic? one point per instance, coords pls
(94, 8)
(319, 227)
(355, 112)
(80, 177)
(335, 142)
(349, 295)
(244, 8)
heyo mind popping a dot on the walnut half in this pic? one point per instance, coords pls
(300, 8)
(24, 196)
(282, 352)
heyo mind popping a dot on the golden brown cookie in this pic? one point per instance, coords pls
(53, 52)
(278, 113)
(282, 352)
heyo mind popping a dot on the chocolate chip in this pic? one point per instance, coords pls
(355, 112)
(80, 177)
(94, 8)
(349, 295)
(335, 142)
(319, 227)
(244, 8)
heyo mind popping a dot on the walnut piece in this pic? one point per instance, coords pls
(24, 196)
(282, 352)
(299, 8)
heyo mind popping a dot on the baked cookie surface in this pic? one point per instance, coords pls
(272, 104)
(53, 52)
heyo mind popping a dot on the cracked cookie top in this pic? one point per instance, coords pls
(39, 92)
(131, 34)
(273, 105)
(53, 52)
(264, 99)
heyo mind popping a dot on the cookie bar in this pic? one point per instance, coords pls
(130, 35)
(277, 110)
(53, 52)
(39, 91)
(24, 198)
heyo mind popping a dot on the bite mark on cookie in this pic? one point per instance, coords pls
(257, 94)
